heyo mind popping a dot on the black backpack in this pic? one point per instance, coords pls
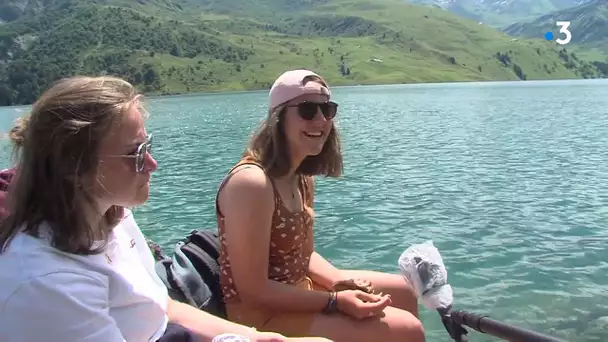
(192, 273)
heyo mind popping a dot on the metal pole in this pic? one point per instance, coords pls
(504, 331)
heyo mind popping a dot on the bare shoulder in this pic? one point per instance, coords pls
(248, 178)
(247, 183)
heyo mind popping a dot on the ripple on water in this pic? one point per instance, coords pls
(507, 179)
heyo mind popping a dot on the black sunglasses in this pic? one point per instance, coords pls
(308, 110)
(139, 154)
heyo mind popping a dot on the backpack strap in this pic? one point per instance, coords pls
(202, 248)
(182, 279)
(189, 278)
(208, 241)
(192, 274)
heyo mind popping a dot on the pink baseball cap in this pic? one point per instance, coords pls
(289, 86)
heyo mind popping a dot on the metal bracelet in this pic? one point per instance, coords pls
(332, 303)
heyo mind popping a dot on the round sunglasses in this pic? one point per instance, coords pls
(140, 154)
(308, 110)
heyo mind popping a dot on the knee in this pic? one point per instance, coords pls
(408, 300)
(410, 330)
(409, 291)
(396, 326)
(404, 326)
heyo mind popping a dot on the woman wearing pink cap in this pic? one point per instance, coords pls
(272, 279)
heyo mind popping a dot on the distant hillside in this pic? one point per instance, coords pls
(500, 13)
(167, 47)
(589, 24)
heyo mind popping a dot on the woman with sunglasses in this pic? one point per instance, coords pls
(75, 265)
(271, 276)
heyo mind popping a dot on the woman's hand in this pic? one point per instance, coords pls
(353, 284)
(359, 304)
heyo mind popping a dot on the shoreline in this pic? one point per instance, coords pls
(343, 85)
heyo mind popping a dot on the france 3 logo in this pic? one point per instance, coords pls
(563, 28)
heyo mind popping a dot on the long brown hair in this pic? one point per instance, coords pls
(58, 147)
(268, 145)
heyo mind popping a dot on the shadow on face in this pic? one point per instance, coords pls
(125, 165)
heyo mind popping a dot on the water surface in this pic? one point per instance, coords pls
(507, 179)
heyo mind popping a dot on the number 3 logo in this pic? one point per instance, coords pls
(563, 28)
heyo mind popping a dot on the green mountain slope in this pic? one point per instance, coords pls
(589, 24)
(500, 13)
(167, 47)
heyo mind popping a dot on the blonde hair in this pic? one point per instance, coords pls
(17, 134)
(58, 146)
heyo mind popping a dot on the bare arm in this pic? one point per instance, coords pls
(202, 323)
(322, 271)
(207, 326)
(319, 269)
(247, 203)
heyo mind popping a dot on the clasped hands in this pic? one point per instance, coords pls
(357, 298)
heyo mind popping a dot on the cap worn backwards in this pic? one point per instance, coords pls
(289, 86)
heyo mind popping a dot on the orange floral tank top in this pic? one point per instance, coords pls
(290, 240)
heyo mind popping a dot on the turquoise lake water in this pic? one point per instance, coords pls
(507, 179)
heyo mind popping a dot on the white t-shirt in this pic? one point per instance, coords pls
(49, 295)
